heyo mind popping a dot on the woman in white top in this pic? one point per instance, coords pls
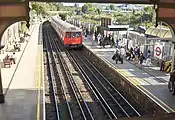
(93, 39)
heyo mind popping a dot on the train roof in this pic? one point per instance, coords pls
(65, 25)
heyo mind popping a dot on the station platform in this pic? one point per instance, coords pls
(150, 80)
(23, 82)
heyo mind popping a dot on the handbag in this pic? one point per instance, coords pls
(114, 57)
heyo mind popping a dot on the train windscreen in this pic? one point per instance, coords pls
(68, 34)
(78, 34)
(73, 34)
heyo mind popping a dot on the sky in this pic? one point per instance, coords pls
(81, 4)
(72, 4)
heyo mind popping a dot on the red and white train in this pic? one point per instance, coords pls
(70, 34)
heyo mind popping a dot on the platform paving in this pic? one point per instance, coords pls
(21, 97)
(150, 78)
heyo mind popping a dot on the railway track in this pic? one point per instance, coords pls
(113, 104)
(52, 110)
(117, 105)
(76, 105)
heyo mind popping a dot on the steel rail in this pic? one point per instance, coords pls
(52, 79)
(114, 88)
(72, 81)
(67, 103)
(68, 74)
(103, 86)
(112, 115)
(94, 90)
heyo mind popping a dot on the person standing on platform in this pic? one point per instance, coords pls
(85, 36)
(112, 42)
(136, 53)
(116, 55)
(122, 54)
(148, 60)
(99, 38)
(163, 62)
(141, 58)
(171, 82)
(93, 40)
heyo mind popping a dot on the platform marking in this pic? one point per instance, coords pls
(135, 82)
(39, 86)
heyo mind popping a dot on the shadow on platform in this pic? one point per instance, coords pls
(20, 104)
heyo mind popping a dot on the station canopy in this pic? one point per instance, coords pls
(118, 27)
(159, 32)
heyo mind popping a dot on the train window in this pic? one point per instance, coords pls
(78, 34)
(67, 34)
(73, 34)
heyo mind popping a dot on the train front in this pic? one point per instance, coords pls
(73, 38)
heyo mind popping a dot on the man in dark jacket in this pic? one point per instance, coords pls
(171, 85)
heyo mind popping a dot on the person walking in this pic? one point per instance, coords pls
(141, 58)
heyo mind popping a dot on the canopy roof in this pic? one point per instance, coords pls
(159, 32)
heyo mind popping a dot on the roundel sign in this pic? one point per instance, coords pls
(158, 51)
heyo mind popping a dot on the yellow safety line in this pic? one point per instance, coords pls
(136, 83)
(39, 88)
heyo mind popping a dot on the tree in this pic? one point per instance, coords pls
(98, 11)
(39, 8)
(75, 5)
(77, 11)
(111, 6)
(63, 16)
(84, 9)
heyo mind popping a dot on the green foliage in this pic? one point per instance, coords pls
(84, 9)
(144, 18)
(63, 16)
(111, 6)
(98, 11)
(42, 8)
(93, 13)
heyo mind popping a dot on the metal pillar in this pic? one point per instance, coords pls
(1, 90)
(173, 54)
